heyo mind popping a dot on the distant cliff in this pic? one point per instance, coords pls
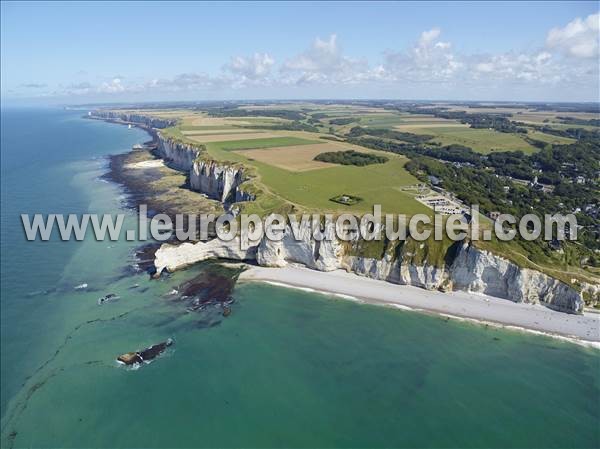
(124, 117)
(218, 180)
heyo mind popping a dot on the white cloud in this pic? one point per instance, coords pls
(427, 60)
(519, 67)
(324, 62)
(579, 38)
(114, 86)
(182, 82)
(427, 37)
(81, 88)
(442, 45)
(322, 56)
(257, 66)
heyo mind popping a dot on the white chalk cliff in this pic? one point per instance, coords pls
(220, 181)
(139, 119)
(470, 270)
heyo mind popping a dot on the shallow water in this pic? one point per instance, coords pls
(287, 368)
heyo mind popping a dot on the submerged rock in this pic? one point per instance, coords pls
(212, 287)
(111, 297)
(146, 355)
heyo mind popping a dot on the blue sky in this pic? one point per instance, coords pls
(108, 51)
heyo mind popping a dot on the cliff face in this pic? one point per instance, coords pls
(482, 272)
(471, 270)
(220, 181)
(150, 122)
(174, 257)
(176, 154)
(425, 276)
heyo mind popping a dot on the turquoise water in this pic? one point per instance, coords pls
(287, 368)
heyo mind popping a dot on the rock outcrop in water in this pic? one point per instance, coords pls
(145, 355)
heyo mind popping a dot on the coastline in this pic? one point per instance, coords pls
(532, 318)
(460, 305)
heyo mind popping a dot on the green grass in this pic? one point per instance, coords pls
(549, 138)
(483, 141)
(375, 184)
(174, 133)
(225, 132)
(205, 127)
(563, 126)
(381, 120)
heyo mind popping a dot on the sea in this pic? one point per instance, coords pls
(286, 368)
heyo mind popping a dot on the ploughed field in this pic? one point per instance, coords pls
(294, 157)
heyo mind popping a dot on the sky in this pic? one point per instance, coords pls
(74, 53)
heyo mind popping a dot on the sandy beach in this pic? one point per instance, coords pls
(502, 312)
(154, 163)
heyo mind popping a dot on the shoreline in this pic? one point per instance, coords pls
(480, 309)
(459, 305)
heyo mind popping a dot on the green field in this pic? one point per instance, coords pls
(375, 184)
(562, 126)
(549, 138)
(312, 190)
(204, 127)
(381, 120)
(481, 140)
